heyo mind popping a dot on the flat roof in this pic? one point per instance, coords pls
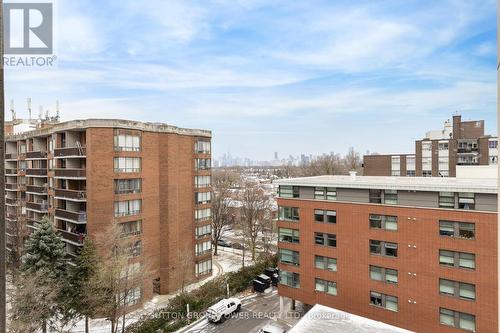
(109, 123)
(322, 319)
(433, 184)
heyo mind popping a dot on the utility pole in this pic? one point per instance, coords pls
(3, 298)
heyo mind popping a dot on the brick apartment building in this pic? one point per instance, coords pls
(438, 154)
(152, 179)
(420, 255)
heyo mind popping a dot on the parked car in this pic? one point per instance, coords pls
(224, 243)
(223, 309)
(238, 246)
(271, 328)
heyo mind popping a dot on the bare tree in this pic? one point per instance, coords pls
(120, 276)
(222, 181)
(256, 204)
(185, 268)
(353, 161)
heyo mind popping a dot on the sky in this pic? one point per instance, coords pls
(266, 76)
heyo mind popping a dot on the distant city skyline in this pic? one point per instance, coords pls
(368, 74)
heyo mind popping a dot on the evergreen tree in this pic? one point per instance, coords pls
(84, 294)
(44, 250)
(38, 298)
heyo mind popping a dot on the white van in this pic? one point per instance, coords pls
(223, 309)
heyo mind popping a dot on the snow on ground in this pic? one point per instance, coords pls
(321, 319)
(158, 302)
(231, 259)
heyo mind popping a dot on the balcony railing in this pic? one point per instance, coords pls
(36, 172)
(70, 173)
(36, 189)
(71, 216)
(10, 201)
(11, 186)
(36, 154)
(72, 151)
(11, 171)
(11, 156)
(71, 194)
(75, 238)
(39, 207)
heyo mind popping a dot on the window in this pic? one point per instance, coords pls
(411, 173)
(457, 229)
(203, 268)
(493, 144)
(457, 319)
(375, 196)
(288, 213)
(131, 228)
(384, 301)
(127, 142)
(127, 164)
(457, 259)
(202, 248)
(383, 222)
(457, 289)
(325, 193)
(288, 235)
(202, 147)
(128, 186)
(131, 270)
(202, 181)
(203, 231)
(136, 249)
(290, 279)
(325, 239)
(286, 191)
(202, 197)
(383, 274)
(395, 166)
(383, 248)
(443, 146)
(391, 197)
(325, 286)
(289, 257)
(329, 264)
(446, 199)
(127, 208)
(466, 201)
(202, 164)
(426, 173)
(328, 216)
(131, 297)
(203, 214)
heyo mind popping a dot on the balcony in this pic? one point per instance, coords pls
(70, 152)
(11, 171)
(78, 217)
(37, 207)
(36, 155)
(70, 173)
(12, 187)
(74, 238)
(12, 202)
(76, 195)
(11, 156)
(36, 172)
(36, 189)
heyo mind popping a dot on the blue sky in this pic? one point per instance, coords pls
(288, 76)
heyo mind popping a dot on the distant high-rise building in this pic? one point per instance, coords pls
(439, 153)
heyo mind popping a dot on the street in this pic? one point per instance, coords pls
(256, 312)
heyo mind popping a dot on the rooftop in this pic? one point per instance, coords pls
(110, 123)
(433, 184)
(321, 319)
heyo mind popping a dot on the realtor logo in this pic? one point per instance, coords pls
(28, 28)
